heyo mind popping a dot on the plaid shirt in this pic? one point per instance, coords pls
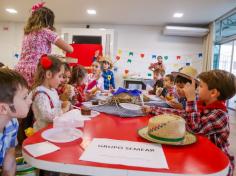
(8, 138)
(212, 123)
(108, 79)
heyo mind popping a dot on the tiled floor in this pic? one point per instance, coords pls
(232, 137)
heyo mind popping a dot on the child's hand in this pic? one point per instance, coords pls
(146, 109)
(158, 91)
(189, 91)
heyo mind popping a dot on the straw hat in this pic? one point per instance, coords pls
(186, 72)
(167, 129)
(106, 59)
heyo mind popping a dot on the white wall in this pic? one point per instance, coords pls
(138, 39)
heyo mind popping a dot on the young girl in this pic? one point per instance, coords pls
(46, 104)
(65, 90)
(95, 80)
(78, 81)
(38, 36)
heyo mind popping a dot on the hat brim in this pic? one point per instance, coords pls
(189, 138)
(185, 76)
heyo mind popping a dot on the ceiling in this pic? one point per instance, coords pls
(137, 12)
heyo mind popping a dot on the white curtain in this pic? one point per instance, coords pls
(208, 46)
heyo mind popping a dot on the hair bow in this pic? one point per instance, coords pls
(45, 62)
(37, 6)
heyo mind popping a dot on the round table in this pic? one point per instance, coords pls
(201, 158)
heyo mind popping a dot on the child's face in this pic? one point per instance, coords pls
(155, 75)
(66, 77)
(96, 68)
(21, 103)
(106, 65)
(159, 60)
(57, 78)
(204, 92)
(167, 82)
(179, 88)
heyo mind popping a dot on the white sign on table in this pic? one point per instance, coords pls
(127, 153)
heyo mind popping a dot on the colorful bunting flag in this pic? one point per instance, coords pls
(129, 61)
(178, 57)
(119, 51)
(115, 69)
(154, 56)
(131, 53)
(187, 64)
(166, 57)
(142, 55)
(117, 57)
(199, 54)
(149, 74)
(126, 71)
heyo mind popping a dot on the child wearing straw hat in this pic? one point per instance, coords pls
(108, 76)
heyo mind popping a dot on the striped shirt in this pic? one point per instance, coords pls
(8, 138)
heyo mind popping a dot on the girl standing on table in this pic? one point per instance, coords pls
(39, 34)
(46, 104)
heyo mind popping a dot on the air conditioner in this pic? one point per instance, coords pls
(185, 31)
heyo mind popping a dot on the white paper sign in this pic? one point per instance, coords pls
(125, 153)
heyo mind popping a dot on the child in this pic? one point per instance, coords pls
(185, 75)
(209, 115)
(78, 81)
(38, 36)
(65, 90)
(107, 74)
(95, 80)
(167, 92)
(14, 103)
(46, 104)
(158, 82)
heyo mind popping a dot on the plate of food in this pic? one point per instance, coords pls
(130, 106)
(62, 135)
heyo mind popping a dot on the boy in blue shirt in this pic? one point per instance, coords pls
(14, 103)
(108, 76)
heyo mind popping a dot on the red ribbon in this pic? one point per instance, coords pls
(45, 62)
(37, 6)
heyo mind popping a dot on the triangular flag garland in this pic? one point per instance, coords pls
(126, 53)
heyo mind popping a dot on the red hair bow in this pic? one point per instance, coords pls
(45, 62)
(37, 6)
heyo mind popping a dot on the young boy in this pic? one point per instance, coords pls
(167, 92)
(108, 76)
(14, 103)
(209, 115)
(185, 75)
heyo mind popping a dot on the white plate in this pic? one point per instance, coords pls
(130, 106)
(93, 114)
(62, 135)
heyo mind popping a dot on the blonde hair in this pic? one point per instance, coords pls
(41, 18)
(41, 72)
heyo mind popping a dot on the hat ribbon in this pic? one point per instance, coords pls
(166, 139)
